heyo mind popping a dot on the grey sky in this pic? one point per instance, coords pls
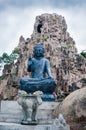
(37, 3)
(17, 18)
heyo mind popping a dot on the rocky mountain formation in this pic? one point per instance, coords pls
(67, 66)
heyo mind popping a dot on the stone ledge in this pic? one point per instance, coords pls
(14, 107)
(14, 126)
(12, 112)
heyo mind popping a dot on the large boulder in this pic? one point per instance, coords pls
(73, 106)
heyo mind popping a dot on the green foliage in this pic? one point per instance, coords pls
(2, 77)
(17, 51)
(80, 58)
(51, 64)
(14, 55)
(5, 58)
(44, 38)
(69, 46)
(0, 59)
(35, 38)
(83, 54)
(8, 59)
(84, 80)
(0, 67)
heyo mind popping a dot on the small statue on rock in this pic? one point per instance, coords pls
(60, 123)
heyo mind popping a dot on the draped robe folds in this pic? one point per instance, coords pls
(41, 78)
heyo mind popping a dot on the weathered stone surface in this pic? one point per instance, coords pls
(74, 106)
(11, 111)
(13, 126)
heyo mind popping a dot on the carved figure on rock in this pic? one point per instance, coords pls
(60, 123)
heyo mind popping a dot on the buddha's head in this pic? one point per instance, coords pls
(38, 50)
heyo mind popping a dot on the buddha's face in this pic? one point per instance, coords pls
(39, 52)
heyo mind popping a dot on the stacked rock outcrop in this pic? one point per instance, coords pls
(67, 66)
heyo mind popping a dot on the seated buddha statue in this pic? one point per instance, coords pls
(41, 78)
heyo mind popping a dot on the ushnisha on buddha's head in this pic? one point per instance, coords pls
(38, 50)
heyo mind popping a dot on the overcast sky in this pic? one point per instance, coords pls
(17, 18)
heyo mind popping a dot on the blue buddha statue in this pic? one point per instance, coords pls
(41, 78)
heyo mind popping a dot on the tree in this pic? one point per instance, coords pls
(8, 59)
(5, 58)
(83, 53)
